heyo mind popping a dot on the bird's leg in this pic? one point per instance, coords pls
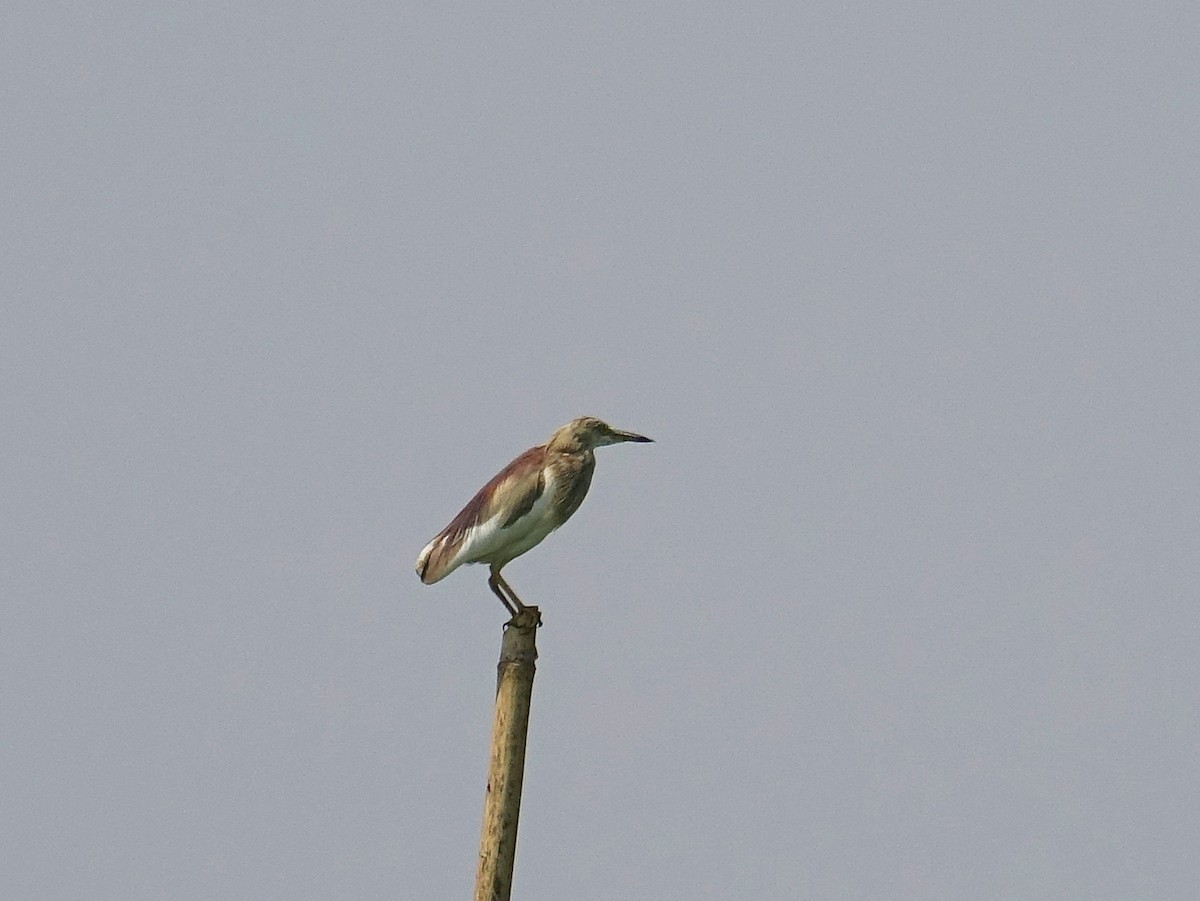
(511, 600)
(512, 595)
(494, 583)
(523, 616)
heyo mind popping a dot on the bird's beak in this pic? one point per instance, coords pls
(618, 436)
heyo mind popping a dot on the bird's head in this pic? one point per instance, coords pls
(588, 432)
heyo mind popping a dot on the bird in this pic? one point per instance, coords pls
(522, 504)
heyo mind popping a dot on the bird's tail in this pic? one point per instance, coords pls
(434, 563)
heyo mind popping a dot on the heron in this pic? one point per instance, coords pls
(522, 504)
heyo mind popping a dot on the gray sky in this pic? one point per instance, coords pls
(900, 605)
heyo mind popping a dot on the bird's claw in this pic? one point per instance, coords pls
(525, 618)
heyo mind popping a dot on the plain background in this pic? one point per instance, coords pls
(902, 603)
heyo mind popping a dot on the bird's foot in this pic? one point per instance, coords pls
(525, 618)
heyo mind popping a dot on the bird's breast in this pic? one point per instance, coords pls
(572, 476)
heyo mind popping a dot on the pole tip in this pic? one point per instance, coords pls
(525, 618)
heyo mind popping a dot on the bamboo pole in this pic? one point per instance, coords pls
(506, 763)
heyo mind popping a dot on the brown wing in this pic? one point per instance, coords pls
(523, 494)
(519, 484)
(515, 488)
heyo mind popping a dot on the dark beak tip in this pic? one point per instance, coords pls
(632, 436)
